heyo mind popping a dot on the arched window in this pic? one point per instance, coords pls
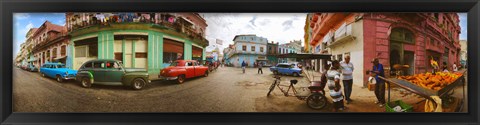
(402, 35)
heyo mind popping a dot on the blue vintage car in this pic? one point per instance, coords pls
(57, 71)
(287, 69)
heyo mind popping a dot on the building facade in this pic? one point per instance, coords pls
(463, 52)
(249, 48)
(50, 43)
(272, 51)
(395, 38)
(140, 40)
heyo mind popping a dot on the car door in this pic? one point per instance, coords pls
(113, 72)
(190, 69)
(49, 70)
(198, 70)
(281, 68)
(98, 71)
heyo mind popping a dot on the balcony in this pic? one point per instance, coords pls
(434, 48)
(249, 52)
(343, 34)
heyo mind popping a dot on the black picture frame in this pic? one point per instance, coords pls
(8, 7)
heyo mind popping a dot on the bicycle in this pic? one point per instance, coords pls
(315, 100)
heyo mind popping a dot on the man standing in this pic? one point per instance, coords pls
(380, 85)
(455, 68)
(347, 78)
(243, 66)
(260, 67)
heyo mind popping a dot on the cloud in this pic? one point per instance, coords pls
(21, 16)
(287, 25)
(278, 27)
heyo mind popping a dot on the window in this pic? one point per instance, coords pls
(81, 51)
(92, 50)
(432, 42)
(63, 50)
(98, 65)
(112, 65)
(402, 35)
(261, 49)
(54, 53)
(141, 55)
(88, 65)
(119, 56)
(339, 57)
(189, 64)
(253, 48)
(244, 48)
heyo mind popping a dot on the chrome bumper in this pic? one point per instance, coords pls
(168, 78)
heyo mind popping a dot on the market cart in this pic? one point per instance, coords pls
(444, 93)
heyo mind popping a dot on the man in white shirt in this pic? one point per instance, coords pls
(347, 78)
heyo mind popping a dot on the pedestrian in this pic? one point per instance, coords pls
(243, 66)
(323, 78)
(333, 83)
(455, 68)
(260, 68)
(380, 83)
(445, 67)
(347, 78)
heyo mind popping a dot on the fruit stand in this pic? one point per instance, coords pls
(429, 84)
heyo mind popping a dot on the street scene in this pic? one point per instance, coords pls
(240, 62)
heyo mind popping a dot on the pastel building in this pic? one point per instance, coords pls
(395, 38)
(140, 40)
(248, 48)
(50, 43)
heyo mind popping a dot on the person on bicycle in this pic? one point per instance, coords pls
(243, 66)
(333, 83)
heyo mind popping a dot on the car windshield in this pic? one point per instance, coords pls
(174, 64)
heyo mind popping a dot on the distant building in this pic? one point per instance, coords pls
(272, 51)
(249, 48)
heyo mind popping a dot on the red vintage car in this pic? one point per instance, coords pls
(183, 69)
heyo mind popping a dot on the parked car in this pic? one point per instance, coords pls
(32, 68)
(23, 66)
(111, 72)
(57, 71)
(183, 69)
(286, 69)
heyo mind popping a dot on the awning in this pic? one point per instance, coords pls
(59, 58)
(305, 56)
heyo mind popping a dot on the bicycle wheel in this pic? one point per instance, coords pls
(316, 101)
(271, 88)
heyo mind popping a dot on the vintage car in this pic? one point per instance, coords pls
(57, 71)
(286, 69)
(183, 69)
(111, 72)
(32, 68)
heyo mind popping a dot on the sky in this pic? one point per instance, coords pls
(277, 27)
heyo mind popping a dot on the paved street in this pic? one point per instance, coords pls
(224, 90)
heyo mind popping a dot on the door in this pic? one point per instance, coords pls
(141, 54)
(198, 70)
(409, 60)
(190, 70)
(113, 72)
(98, 71)
(282, 69)
(128, 54)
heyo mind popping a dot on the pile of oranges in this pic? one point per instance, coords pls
(432, 81)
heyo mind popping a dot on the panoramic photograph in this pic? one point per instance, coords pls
(240, 62)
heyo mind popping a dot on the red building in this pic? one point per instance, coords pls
(395, 38)
(50, 43)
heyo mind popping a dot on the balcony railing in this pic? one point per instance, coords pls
(343, 34)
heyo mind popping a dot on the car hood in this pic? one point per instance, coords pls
(135, 70)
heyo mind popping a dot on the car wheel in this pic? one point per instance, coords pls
(206, 73)
(59, 79)
(181, 79)
(86, 82)
(43, 75)
(138, 83)
(296, 74)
